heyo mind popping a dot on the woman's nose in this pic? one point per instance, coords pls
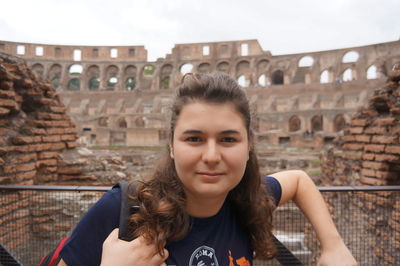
(211, 153)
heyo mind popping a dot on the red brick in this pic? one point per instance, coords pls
(349, 138)
(71, 145)
(362, 138)
(68, 137)
(7, 94)
(387, 158)
(54, 138)
(48, 154)
(57, 146)
(372, 181)
(385, 139)
(8, 103)
(369, 156)
(26, 175)
(48, 162)
(356, 130)
(395, 110)
(384, 121)
(23, 140)
(70, 171)
(57, 109)
(387, 175)
(393, 149)
(375, 165)
(374, 148)
(23, 158)
(353, 147)
(56, 131)
(375, 130)
(368, 172)
(4, 111)
(359, 122)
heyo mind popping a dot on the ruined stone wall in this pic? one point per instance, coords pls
(34, 130)
(369, 154)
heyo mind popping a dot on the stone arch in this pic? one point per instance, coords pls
(348, 75)
(148, 70)
(112, 77)
(294, 123)
(262, 65)
(139, 122)
(277, 77)
(324, 77)
(103, 121)
(74, 84)
(223, 67)
(38, 69)
(317, 123)
(372, 72)
(242, 67)
(186, 68)
(93, 74)
(54, 75)
(350, 57)
(165, 76)
(263, 80)
(306, 61)
(130, 77)
(121, 123)
(339, 122)
(204, 68)
(75, 70)
(243, 81)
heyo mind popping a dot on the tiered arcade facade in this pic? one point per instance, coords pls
(117, 97)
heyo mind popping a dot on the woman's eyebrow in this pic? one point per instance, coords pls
(230, 131)
(192, 131)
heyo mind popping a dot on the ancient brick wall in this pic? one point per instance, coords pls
(34, 127)
(34, 130)
(368, 154)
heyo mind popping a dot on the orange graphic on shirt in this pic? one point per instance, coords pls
(240, 262)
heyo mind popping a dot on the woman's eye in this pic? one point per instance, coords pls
(193, 139)
(228, 139)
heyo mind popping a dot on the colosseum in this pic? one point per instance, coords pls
(117, 97)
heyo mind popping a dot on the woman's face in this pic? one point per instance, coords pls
(210, 149)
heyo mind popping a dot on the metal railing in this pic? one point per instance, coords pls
(34, 218)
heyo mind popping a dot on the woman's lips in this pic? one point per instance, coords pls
(210, 175)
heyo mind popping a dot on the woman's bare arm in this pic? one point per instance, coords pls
(299, 187)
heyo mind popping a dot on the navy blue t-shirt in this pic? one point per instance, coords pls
(211, 241)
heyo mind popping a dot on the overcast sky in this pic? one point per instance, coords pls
(281, 26)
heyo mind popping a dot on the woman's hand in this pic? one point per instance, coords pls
(338, 255)
(129, 253)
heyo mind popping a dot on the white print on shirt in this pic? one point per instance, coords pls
(203, 256)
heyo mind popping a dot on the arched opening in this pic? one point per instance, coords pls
(103, 122)
(339, 123)
(75, 70)
(262, 80)
(306, 61)
(204, 68)
(112, 82)
(186, 68)
(324, 78)
(55, 82)
(122, 123)
(372, 72)
(223, 67)
(294, 123)
(317, 123)
(350, 57)
(262, 65)
(242, 67)
(74, 84)
(347, 75)
(38, 69)
(243, 81)
(277, 77)
(94, 84)
(165, 82)
(130, 84)
(148, 70)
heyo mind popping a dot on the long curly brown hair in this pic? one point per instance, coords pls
(162, 217)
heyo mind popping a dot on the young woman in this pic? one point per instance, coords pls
(206, 204)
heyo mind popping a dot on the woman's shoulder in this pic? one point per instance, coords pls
(274, 188)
